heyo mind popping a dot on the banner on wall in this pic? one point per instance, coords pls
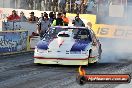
(113, 31)
(11, 42)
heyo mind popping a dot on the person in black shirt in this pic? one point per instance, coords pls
(58, 21)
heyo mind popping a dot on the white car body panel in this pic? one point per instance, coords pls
(59, 52)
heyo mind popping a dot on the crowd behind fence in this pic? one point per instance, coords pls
(39, 24)
(71, 6)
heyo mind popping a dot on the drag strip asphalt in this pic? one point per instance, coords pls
(19, 71)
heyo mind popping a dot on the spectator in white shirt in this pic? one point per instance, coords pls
(43, 25)
(22, 17)
(62, 5)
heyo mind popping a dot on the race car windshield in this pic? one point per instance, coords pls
(78, 33)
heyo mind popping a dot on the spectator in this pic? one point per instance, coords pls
(90, 6)
(78, 4)
(70, 6)
(61, 5)
(65, 19)
(43, 25)
(43, 5)
(13, 16)
(51, 17)
(82, 6)
(78, 22)
(54, 5)
(58, 21)
(42, 15)
(45, 14)
(54, 15)
(30, 3)
(22, 17)
(32, 18)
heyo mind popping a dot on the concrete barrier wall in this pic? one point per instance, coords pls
(9, 26)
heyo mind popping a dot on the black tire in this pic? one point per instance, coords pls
(38, 64)
(100, 52)
(90, 52)
(91, 64)
(81, 80)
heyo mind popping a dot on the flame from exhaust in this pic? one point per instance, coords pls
(81, 71)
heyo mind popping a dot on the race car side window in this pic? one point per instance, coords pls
(83, 34)
(90, 36)
(80, 33)
(94, 40)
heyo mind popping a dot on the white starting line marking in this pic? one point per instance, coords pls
(129, 85)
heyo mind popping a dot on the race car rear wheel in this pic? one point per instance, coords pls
(100, 52)
(90, 55)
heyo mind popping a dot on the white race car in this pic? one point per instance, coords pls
(68, 46)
